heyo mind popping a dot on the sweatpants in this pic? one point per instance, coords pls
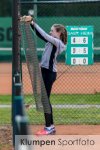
(48, 77)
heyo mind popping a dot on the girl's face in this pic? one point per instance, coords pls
(54, 33)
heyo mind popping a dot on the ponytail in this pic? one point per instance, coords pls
(61, 28)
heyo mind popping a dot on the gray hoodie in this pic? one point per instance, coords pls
(53, 47)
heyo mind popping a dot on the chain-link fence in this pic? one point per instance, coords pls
(76, 92)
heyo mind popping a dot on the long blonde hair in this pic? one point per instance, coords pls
(61, 28)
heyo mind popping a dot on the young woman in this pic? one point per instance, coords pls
(55, 44)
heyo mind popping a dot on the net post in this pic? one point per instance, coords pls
(18, 111)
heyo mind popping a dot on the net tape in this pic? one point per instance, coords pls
(59, 1)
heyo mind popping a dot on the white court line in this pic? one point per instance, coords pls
(10, 49)
(38, 49)
(61, 106)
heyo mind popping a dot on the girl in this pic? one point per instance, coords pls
(55, 44)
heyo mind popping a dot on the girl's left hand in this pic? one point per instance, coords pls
(26, 19)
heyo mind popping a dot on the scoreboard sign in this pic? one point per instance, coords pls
(80, 45)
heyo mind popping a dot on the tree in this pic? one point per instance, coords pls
(5, 8)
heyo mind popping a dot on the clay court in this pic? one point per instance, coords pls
(74, 80)
(70, 80)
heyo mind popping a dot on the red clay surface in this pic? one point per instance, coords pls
(6, 132)
(72, 129)
(76, 79)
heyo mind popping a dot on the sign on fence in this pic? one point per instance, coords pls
(80, 45)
